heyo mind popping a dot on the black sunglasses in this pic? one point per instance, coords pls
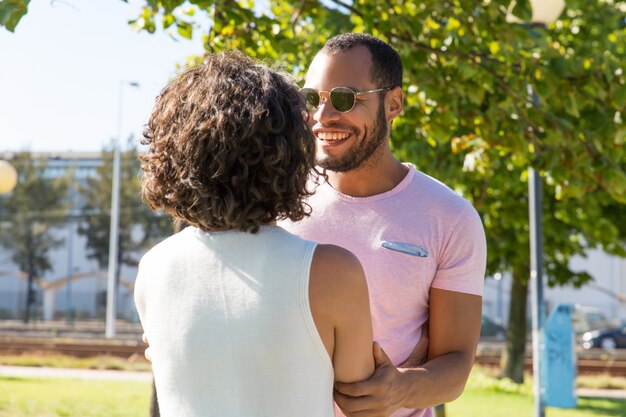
(343, 99)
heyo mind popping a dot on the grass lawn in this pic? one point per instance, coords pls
(481, 403)
(486, 396)
(42, 397)
(134, 363)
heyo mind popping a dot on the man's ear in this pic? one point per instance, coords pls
(393, 103)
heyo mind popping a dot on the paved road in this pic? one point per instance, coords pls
(601, 393)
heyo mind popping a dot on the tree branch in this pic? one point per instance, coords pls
(298, 14)
(67, 3)
(347, 6)
(472, 55)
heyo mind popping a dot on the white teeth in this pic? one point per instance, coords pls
(332, 135)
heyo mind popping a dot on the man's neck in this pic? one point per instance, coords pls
(370, 179)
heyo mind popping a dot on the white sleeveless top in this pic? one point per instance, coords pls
(230, 327)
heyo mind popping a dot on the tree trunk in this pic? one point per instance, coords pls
(31, 273)
(29, 297)
(515, 347)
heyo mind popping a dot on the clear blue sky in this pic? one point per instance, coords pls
(60, 74)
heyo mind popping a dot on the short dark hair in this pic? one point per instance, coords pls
(229, 146)
(386, 62)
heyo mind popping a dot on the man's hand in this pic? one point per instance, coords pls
(419, 356)
(147, 353)
(379, 396)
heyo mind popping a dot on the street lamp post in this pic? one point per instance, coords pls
(536, 283)
(544, 12)
(498, 277)
(111, 310)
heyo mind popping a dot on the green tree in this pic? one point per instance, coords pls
(485, 99)
(28, 216)
(139, 227)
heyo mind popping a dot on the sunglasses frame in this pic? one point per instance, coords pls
(355, 94)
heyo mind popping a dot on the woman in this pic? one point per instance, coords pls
(243, 318)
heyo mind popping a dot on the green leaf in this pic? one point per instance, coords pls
(153, 4)
(184, 29)
(170, 5)
(475, 94)
(203, 4)
(523, 10)
(11, 12)
(620, 97)
(168, 20)
(558, 65)
(467, 71)
(571, 105)
(494, 47)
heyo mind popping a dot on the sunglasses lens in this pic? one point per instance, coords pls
(342, 99)
(312, 98)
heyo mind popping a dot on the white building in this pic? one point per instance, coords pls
(77, 284)
(607, 293)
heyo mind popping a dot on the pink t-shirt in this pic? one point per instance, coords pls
(417, 236)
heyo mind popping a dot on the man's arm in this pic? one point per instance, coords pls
(453, 336)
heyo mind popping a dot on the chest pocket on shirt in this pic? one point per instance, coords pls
(399, 275)
(405, 248)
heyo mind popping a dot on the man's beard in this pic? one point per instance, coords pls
(359, 155)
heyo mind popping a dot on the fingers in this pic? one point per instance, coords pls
(373, 397)
(148, 354)
(353, 406)
(362, 406)
(355, 389)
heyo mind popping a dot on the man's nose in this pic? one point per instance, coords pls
(325, 112)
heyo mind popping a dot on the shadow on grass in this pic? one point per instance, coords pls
(22, 380)
(603, 406)
(12, 378)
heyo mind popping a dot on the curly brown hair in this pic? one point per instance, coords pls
(229, 146)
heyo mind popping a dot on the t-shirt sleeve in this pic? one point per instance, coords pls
(464, 257)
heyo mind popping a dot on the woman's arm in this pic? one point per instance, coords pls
(341, 311)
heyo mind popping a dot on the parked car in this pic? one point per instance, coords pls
(607, 339)
(489, 328)
(586, 319)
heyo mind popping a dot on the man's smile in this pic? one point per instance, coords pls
(331, 137)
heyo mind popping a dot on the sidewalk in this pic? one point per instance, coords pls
(48, 372)
(601, 393)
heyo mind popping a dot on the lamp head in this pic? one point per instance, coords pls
(8, 177)
(546, 11)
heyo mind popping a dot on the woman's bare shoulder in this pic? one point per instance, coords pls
(337, 277)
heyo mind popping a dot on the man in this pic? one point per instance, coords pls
(422, 246)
